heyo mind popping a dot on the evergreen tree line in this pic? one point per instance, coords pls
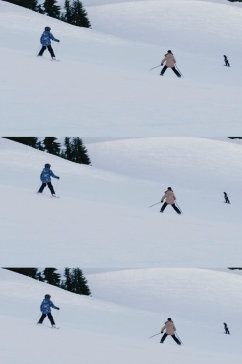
(73, 12)
(73, 281)
(73, 150)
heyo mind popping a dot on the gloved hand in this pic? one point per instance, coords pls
(58, 308)
(161, 332)
(58, 41)
(161, 201)
(58, 177)
(161, 64)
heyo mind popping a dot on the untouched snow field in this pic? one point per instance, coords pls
(114, 327)
(103, 86)
(102, 217)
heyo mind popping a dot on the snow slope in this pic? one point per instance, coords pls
(102, 218)
(103, 86)
(99, 330)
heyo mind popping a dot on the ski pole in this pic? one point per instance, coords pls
(155, 67)
(178, 207)
(154, 335)
(179, 338)
(179, 71)
(155, 204)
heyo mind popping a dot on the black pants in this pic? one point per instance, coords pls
(49, 185)
(173, 336)
(173, 205)
(50, 49)
(50, 317)
(227, 200)
(173, 69)
(227, 63)
(227, 331)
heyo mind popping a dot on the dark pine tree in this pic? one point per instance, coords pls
(40, 9)
(30, 272)
(79, 15)
(79, 152)
(31, 141)
(67, 283)
(67, 154)
(67, 17)
(51, 8)
(40, 146)
(51, 145)
(79, 282)
(39, 277)
(50, 276)
(30, 4)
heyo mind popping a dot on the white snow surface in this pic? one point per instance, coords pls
(103, 87)
(102, 217)
(125, 309)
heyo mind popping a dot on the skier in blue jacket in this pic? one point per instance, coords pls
(45, 308)
(45, 178)
(45, 40)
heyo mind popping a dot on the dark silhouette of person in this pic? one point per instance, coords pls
(226, 329)
(226, 61)
(226, 198)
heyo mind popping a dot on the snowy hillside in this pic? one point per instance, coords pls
(104, 331)
(103, 86)
(102, 217)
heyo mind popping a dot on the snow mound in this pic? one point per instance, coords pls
(118, 333)
(103, 219)
(103, 86)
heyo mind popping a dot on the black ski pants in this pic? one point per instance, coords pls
(173, 69)
(49, 185)
(173, 205)
(227, 331)
(227, 200)
(173, 336)
(50, 317)
(227, 63)
(50, 49)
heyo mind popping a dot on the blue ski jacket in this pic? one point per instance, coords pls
(46, 175)
(46, 37)
(46, 305)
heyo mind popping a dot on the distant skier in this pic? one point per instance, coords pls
(45, 178)
(169, 329)
(45, 308)
(226, 329)
(226, 61)
(226, 198)
(170, 62)
(45, 40)
(170, 199)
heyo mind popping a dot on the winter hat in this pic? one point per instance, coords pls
(47, 296)
(47, 165)
(169, 319)
(169, 188)
(169, 51)
(47, 28)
